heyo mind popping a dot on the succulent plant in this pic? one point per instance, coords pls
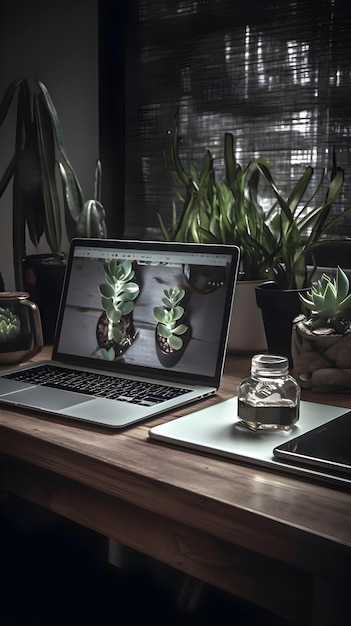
(118, 293)
(10, 325)
(329, 304)
(168, 317)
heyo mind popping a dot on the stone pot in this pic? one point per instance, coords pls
(321, 363)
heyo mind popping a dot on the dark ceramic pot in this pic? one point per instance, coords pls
(169, 358)
(279, 307)
(128, 334)
(43, 279)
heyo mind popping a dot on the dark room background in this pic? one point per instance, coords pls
(275, 73)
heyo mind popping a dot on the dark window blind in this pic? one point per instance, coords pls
(274, 73)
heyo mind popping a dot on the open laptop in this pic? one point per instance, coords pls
(91, 375)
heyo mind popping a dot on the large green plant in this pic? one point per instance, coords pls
(301, 225)
(225, 212)
(274, 244)
(39, 159)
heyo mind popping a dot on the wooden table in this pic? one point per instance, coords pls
(273, 539)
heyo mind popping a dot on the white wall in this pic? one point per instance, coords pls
(57, 42)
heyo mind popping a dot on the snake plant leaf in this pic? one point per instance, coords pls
(46, 151)
(8, 174)
(72, 198)
(177, 164)
(299, 189)
(8, 96)
(91, 220)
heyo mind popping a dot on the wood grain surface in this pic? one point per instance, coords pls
(276, 540)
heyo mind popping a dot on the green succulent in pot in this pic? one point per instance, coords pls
(328, 304)
(39, 159)
(170, 327)
(321, 336)
(118, 294)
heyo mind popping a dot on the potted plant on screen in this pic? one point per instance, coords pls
(172, 334)
(46, 193)
(115, 330)
(321, 337)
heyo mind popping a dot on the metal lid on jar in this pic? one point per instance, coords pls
(269, 365)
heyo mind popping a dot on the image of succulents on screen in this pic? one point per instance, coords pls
(172, 333)
(115, 330)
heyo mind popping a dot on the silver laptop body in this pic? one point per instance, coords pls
(106, 356)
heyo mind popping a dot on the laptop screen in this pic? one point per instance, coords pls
(158, 307)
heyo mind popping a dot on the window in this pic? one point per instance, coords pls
(275, 73)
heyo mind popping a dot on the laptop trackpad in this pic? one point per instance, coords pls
(45, 398)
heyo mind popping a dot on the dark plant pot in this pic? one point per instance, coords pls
(170, 359)
(43, 279)
(279, 307)
(128, 334)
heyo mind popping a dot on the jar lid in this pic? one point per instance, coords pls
(269, 365)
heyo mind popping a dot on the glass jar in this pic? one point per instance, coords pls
(269, 399)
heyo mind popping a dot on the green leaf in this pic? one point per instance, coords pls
(164, 331)
(106, 290)
(175, 342)
(46, 150)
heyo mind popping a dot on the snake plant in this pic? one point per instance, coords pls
(226, 212)
(275, 244)
(329, 303)
(38, 152)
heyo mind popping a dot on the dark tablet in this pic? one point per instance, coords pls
(327, 447)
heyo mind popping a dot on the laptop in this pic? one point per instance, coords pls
(110, 364)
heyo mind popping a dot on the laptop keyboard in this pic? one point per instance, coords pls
(100, 385)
